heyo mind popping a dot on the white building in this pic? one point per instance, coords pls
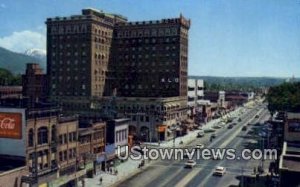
(195, 94)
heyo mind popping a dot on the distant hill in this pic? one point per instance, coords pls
(239, 83)
(16, 62)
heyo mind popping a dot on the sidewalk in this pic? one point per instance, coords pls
(125, 169)
(191, 135)
(130, 167)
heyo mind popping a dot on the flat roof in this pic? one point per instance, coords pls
(11, 162)
(291, 163)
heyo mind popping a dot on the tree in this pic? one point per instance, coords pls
(7, 78)
(285, 97)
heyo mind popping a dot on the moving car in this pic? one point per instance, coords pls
(199, 146)
(219, 171)
(209, 130)
(216, 127)
(257, 116)
(213, 135)
(190, 164)
(200, 134)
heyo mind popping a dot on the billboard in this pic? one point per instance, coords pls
(11, 125)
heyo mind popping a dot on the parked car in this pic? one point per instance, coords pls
(239, 120)
(230, 126)
(200, 134)
(209, 130)
(190, 164)
(219, 171)
(244, 128)
(256, 116)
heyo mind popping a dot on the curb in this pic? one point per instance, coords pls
(115, 184)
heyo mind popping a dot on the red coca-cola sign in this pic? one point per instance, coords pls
(11, 125)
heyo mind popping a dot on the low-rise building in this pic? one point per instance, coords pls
(92, 138)
(34, 83)
(289, 164)
(10, 92)
(117, 134)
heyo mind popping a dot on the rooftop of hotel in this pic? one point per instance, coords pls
(86, 14)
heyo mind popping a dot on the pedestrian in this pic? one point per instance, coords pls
(100, 180)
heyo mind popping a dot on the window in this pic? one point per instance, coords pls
(30, 138)
(70, 137)
(65, 138)
(53, 133)
(65, 155)
(74, 136)
(70, 153)
(60, 156)
(42, 135)
(60, 139)
(74, 152)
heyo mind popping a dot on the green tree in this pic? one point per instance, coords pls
(285, 97)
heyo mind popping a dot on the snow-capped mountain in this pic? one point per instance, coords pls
(36, 53)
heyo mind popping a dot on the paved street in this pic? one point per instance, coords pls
(172, 172)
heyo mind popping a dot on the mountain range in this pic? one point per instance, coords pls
(16, 62)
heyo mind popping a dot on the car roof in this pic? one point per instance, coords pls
(219, 168)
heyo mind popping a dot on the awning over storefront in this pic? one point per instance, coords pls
(167, 105)
(161, 128)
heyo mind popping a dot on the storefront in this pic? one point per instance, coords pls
(161, 129)
(100, 163)
(68, 180)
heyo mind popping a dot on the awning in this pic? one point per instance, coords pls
(167, 105)
(161, 128)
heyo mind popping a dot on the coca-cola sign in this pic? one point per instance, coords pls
(11, 125)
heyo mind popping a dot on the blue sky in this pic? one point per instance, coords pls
(227, 37)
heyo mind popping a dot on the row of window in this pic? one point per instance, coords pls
(69, 62)
(68, 137)
(139, 86)
(42, 136)
(83, 53)
(68, 45)
(64, 156)
(121, 135)
(64, 29)
(148, 40)
(99, 31)
(148, 32)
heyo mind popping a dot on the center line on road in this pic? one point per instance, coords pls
(188, 177)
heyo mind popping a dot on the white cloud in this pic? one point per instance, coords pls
(24, 40)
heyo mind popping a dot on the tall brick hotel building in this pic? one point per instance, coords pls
(101, 64)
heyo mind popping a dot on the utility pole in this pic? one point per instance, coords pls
(242, 180)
